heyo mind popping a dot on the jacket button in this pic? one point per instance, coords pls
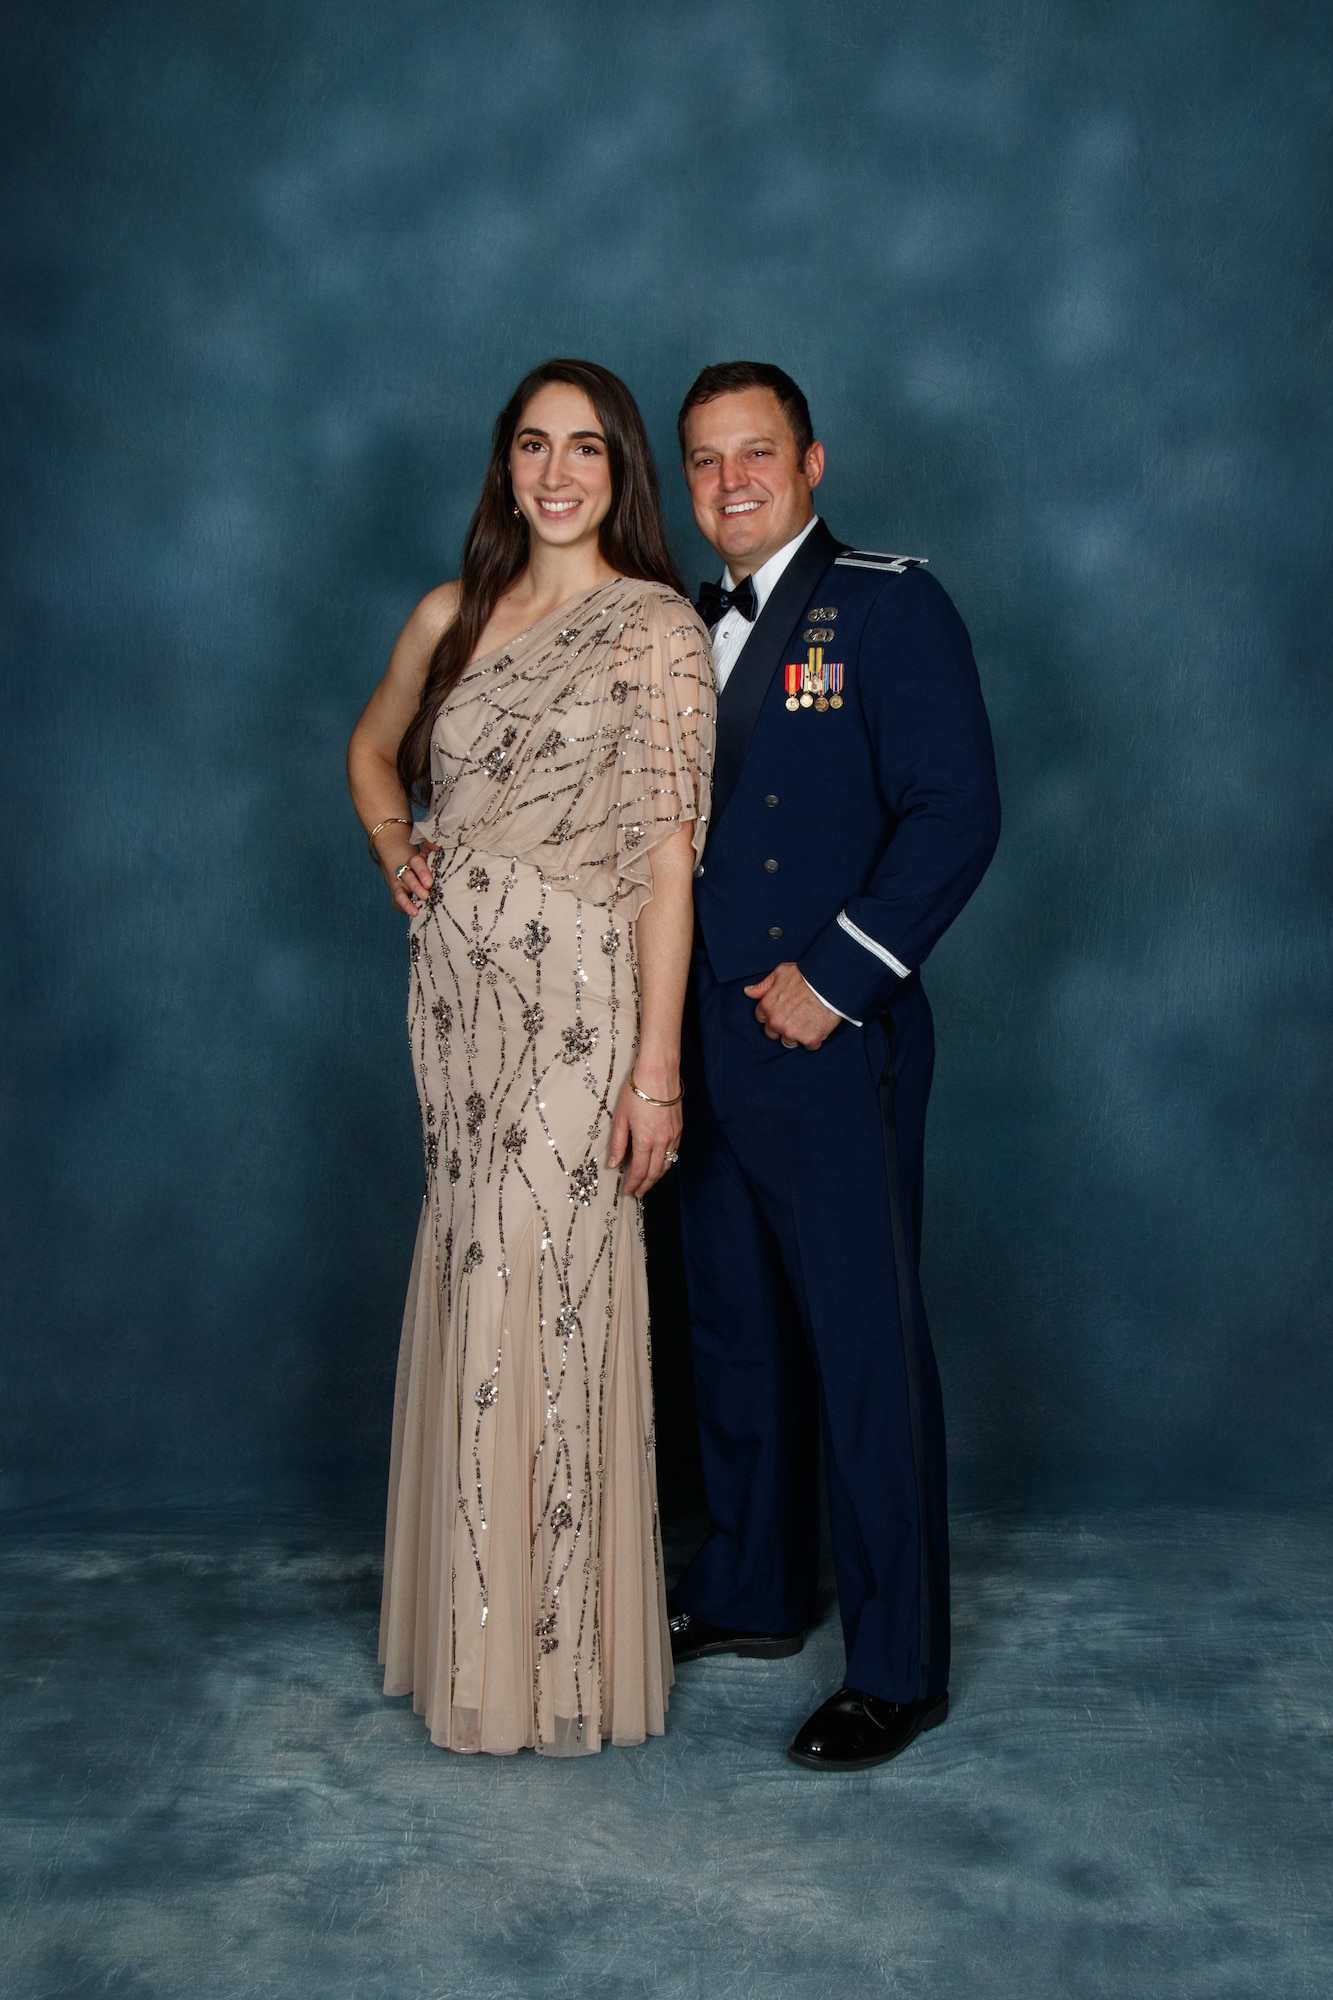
(772, 799)
(775, 930)
(770, 868)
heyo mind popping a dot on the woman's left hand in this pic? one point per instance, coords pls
(646, 1137)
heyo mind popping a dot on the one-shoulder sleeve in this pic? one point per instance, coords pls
(664, 763)
(584, 751)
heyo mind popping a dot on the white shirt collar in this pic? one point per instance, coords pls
(765, 578)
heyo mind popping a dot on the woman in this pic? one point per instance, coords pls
(559, 701)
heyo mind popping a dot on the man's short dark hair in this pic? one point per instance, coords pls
(724, 378)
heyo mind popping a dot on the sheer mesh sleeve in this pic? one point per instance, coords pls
(583, 749)
(664, 764)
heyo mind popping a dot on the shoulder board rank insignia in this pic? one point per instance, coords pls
(872, 559)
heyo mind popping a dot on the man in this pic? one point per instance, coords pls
(854, 813)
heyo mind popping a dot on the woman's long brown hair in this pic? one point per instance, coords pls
(632, 538)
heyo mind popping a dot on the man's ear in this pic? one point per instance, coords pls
(814, 464)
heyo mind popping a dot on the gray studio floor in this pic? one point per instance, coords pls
(207, 1798)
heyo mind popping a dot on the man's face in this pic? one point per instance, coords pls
(750, 487)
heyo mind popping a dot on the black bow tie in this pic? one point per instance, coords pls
(715, 602)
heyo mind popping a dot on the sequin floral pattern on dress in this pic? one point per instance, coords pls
(524, 1602)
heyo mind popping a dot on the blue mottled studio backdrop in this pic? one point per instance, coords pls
(1056, 280)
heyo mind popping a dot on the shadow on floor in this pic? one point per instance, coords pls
(206, 1796)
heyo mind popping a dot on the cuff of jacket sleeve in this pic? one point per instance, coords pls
(834, 1010)
(855, 978)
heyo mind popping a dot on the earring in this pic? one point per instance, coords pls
(516, 514)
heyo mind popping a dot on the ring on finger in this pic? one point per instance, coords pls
(401, 870)
(672, 1158)
(786, 1044)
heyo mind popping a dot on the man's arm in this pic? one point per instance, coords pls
(917, 682)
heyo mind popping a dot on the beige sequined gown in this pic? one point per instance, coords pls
(523, 1598)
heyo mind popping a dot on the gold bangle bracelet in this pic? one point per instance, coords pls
(662, 1103)
(394, 819)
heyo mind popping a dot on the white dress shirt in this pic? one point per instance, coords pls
(734, 628)
(731, 632)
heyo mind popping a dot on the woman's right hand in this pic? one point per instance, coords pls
(411, 889)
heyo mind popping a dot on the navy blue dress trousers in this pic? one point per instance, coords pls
(855, 811)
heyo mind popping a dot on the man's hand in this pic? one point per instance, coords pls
(788, 1012)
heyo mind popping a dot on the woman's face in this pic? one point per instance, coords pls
(559, 467)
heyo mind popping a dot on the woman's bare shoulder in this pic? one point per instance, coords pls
(415, 645)
(436, 611)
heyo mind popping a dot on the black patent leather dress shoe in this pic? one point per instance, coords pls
(693, 1639)
(852, 1731)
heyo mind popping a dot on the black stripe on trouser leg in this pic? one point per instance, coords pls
(911, 1344)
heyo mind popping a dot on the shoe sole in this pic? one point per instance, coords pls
(932, 1719)
(750, 1649)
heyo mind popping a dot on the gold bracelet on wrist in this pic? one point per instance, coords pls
(662, 1103)
(394, 819)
